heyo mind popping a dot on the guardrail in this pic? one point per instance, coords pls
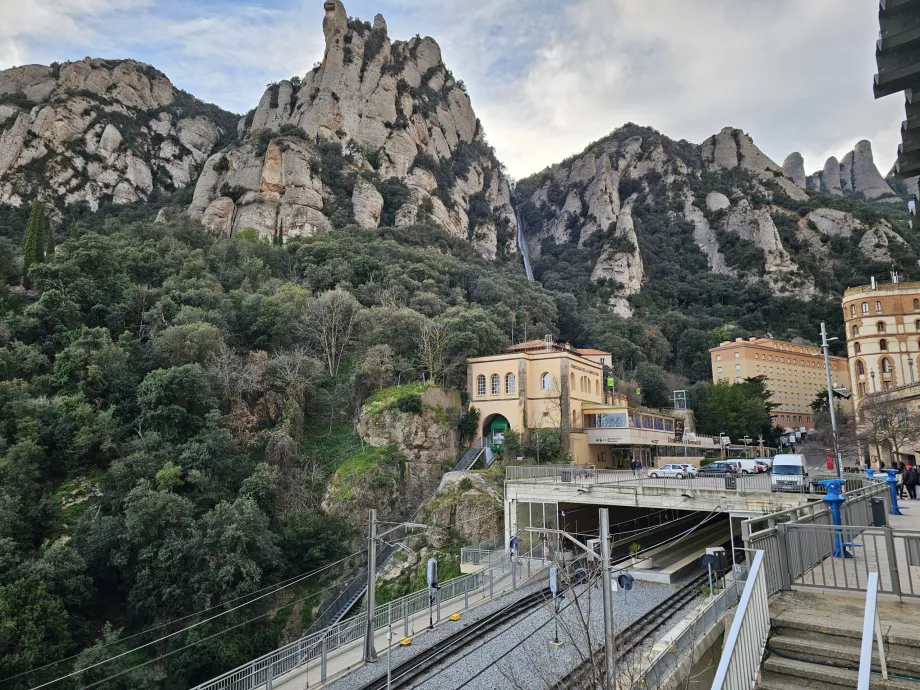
(471, 455)
(739, 666)
(261, 671)
(768, 533)
(871, 632)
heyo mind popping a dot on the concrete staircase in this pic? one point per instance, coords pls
(806, 650)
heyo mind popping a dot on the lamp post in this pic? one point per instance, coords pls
(910, 365)
(746, 440)
(825, 347)
(872, 376)
(722, 436)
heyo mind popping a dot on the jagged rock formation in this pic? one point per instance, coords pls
(408, 131)
(854, 175)
(100, 130)
(876, 243)
(794, 167)
(598, 198)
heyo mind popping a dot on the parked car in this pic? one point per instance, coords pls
(691, 469)
(718, 468)
(736, 464)
(678, 471)
(764, 467)
(766, 461)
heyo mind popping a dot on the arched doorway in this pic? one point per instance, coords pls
(493, 429)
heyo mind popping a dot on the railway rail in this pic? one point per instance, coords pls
(633, 636)
(410, 670)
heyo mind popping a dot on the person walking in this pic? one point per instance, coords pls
(902, 489)
(911, 479)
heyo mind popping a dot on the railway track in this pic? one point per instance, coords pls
(405, 673)
(633, 636)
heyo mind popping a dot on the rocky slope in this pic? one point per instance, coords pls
(100, 130)
(379, 132)
(747, 215)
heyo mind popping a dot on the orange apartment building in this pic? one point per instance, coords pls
(794, 373)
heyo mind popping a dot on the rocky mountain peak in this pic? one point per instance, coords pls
(794, 167)
(99, 130)
(406, 127)
(853, 175)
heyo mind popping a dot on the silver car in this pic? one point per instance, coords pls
(678, 471)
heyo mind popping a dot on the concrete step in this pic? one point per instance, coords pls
(842, 651)
(902, 639)
(801, 674)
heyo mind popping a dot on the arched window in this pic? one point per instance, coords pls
(852, 310)
(878, 306)
(860, 368)
(855, 330)
(882, 344)
(886, 366)
(572, 381)
(546, 382)
(917, 324)
(481, 384)
(880, 326)
(865, 307)
(510, 384)
(917, 304)
(496, 384)
(857, 348)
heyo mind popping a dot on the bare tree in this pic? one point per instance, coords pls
(330, 323)
(433, 341)
(885, 421)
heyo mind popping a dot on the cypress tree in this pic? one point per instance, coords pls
(52, 244)
(33, 245)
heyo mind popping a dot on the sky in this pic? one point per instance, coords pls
(546, 77)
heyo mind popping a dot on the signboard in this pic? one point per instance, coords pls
(678, 430)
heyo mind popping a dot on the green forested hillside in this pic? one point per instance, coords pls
(171, 409)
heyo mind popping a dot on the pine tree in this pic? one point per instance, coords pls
(52, 244)
(33, 245)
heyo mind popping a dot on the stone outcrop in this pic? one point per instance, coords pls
(853, 175)
(97, 130)
(622, 266)
(834, 223)
(426, 439)
(732, 148)
(756, 225)
(469, 504)
(703, 234)
(876, 242)
(794, 167)
(407, 130)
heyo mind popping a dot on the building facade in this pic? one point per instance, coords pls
(541, 385)
(794, 374)
(883, 336)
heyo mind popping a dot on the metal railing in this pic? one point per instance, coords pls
(662, 667)
(739, 666)
(471, 455)
(769, 533)
(261, 671)
(871, 632)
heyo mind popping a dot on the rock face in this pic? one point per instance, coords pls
(98, 130)
(427, 440)
(601, 200)
(469, 504)
(854, 175)
(387, 113)
(794, 167)
(876, 243)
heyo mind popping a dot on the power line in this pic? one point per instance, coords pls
(278, 586)
(190, 627)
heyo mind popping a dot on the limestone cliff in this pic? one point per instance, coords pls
(100, 130)
(410, 146)
(853, 175)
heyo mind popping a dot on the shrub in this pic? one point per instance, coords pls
(222, 164)
(465, 484)
(289, 130)
(411, 403)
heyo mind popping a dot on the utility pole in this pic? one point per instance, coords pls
(609, 645)
(825, 346)
(370, 654)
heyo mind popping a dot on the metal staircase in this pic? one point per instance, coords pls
(472, 455)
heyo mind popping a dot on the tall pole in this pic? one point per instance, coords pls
(825, 346)
(608, 599)
(370, 654)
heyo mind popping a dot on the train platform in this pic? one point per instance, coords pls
(674, 561)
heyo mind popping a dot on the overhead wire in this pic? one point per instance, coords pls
(194, 625)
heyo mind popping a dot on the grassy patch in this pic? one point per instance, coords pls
(386, 399)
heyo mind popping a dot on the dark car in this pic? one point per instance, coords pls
(717, 469)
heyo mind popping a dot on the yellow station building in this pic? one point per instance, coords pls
(544, 385)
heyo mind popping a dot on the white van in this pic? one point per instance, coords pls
(790, 473)
(750, 466)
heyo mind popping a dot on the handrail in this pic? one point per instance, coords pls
(471, 455)
(871, 632)
(747, 638)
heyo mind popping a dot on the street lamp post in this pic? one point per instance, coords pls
(825, 346)
(746, 440)
(872, 376)
(910, 365)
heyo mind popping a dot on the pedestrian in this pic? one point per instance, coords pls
(900, 485)
(912, 478)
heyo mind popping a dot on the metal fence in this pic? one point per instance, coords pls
(477, 586)
(665, 664)
(739, 666)
(768, 533)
